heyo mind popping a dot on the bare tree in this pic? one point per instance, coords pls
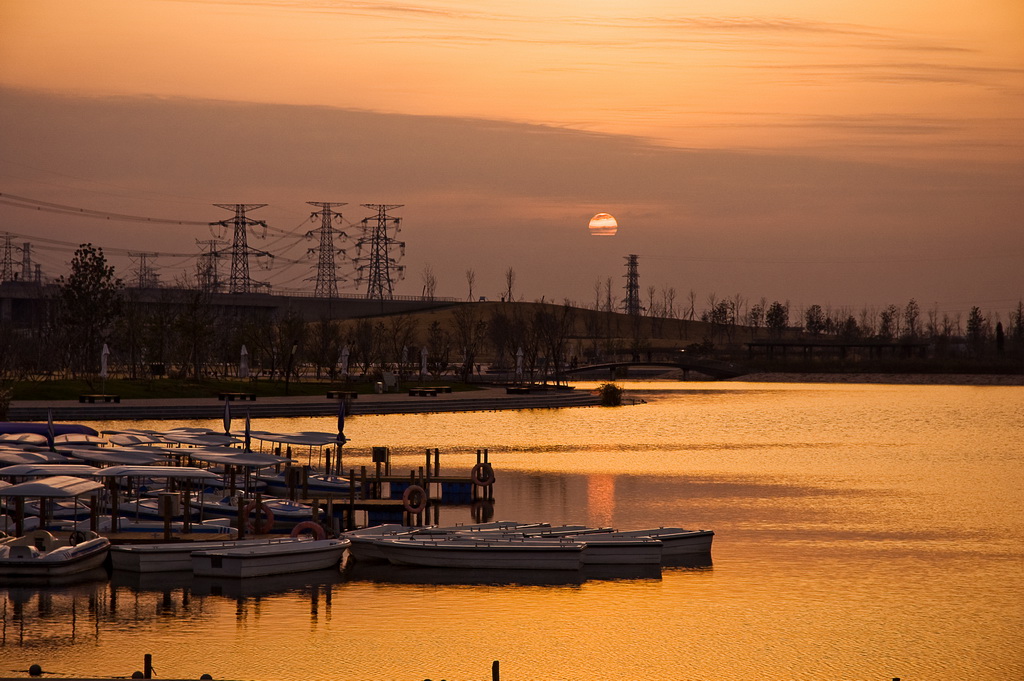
(429, 282)
(470, 280)
(510, 285)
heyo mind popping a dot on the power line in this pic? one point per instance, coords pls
(50, 207)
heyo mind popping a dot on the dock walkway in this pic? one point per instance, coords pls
(486, 399)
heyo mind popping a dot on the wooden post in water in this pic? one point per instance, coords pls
(350, 520)
(147, 666)
(362, 483)
(495, 671)
(437, 462)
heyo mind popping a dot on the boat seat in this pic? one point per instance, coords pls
(22, 552)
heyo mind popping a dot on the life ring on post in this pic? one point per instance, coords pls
(251, 520)
(309, 527)
(482, 474)
(414, 499)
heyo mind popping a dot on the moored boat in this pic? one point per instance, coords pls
(481, 553)
(675, 540)
(41, 555)
(172, 556)
(296, 555)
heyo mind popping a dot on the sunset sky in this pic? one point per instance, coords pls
(848, 154)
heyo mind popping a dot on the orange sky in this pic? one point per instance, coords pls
(920, 89)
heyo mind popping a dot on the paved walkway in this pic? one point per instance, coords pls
(486, 399)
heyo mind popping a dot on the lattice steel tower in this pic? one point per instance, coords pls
(146, 277)
(7, 264)
(326, 271)
(632, 302)
(207, 272)
(377, 267)
(240, 282)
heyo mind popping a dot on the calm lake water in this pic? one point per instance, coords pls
(862, 532)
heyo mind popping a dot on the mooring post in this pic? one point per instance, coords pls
(147, 666)
(437, 462)
(495, 672)
(362, 483)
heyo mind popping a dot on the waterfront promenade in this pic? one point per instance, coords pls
(484, 399)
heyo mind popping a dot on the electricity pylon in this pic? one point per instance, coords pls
(326, 271)
(376, 268)
(145, 276)
(240, 282)
(7, 263)
(632, 302)
(207, 272)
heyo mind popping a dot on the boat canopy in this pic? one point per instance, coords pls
(116, 455)
(79, 439)
(16, 456)
(199, 437)
(166, 472)
(130, 439)
(61, 486)
(308, 438)
(24, 439)
(36, 470)
(236, 457)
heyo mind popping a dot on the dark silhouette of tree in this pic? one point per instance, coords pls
(976, 330)
(89, 301)
(911, 320)
(776, 319)
(814, 320)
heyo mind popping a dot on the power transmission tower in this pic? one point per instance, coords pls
(377, 266)
(145, 276)
(207, 272)
(26, 262)
(326, 272)
(7, 264)
(240, 282)
(632, 302)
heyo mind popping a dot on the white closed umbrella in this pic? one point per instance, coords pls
(519, 364)
(423, 361)
(243, 364)
(343, 362)
(103, 361)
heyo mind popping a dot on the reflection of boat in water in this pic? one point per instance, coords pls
(386, 573)
(693, 561)
(226, 587)
(29, 586)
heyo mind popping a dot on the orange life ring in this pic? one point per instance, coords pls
(250, 522)
(482, 474)
(309, 526)
(414, 499)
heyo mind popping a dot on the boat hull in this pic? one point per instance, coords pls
(65, 560)
(272, 559)
(477, 554)
(170, 557)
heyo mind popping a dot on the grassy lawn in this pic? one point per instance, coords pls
(171, 387)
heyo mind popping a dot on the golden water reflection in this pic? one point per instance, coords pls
(861, 532)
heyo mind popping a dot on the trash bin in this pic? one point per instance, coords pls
(378, 387)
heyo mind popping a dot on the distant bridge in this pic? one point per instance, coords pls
(711, 367)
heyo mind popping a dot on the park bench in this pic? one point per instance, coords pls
(92, 399)
(230, 397)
